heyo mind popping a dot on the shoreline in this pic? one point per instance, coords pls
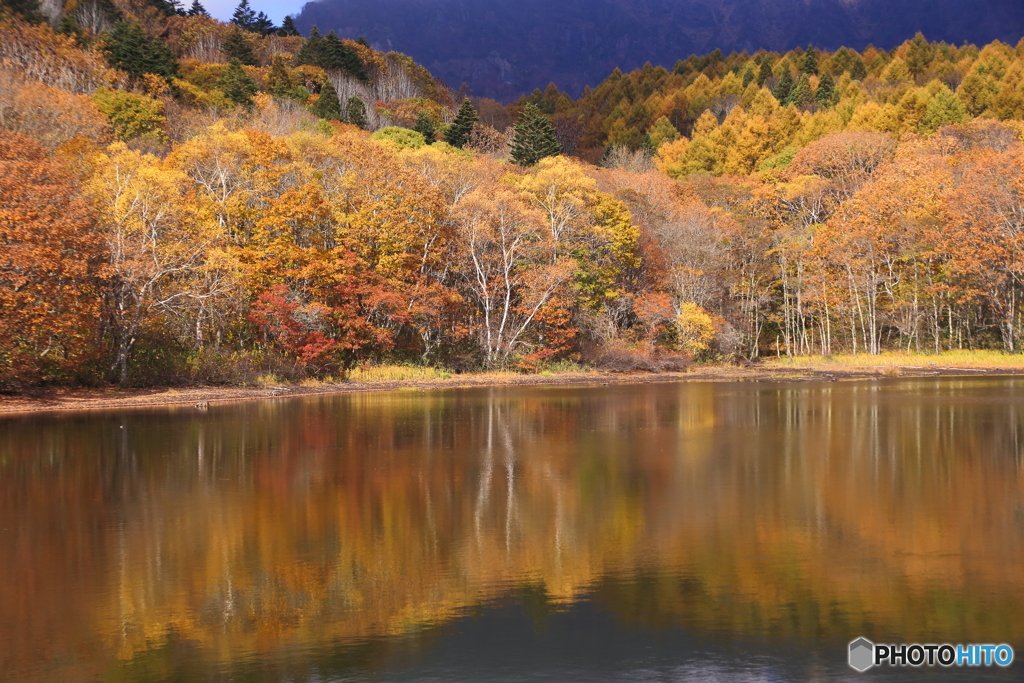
(62, 400)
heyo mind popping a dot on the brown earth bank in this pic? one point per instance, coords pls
(65, 399)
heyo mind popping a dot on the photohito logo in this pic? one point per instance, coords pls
(864, 654)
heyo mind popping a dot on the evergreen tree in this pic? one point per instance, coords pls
(802, 96)
(237, 85)
(327, 106)
(129, 48)
(457, 134)
(279, 83)
(263, 25)
(748, 76)
(425, 126)
(237, 47)
(784, 88)
(197, 10)
(944, 108)
(27, 10)
(765, 72)
(338, 55)
(355, 112)
(858, 71)
(167, 7)
(288, 28)
(919, 55)
(313, 50)
(810, 63)
(244, 16)
(826, 94)
(534, 138)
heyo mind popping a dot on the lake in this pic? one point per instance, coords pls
(724, 531)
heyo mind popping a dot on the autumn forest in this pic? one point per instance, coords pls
(187, 200)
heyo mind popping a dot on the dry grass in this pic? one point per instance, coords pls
(894, 362)
(397, 373)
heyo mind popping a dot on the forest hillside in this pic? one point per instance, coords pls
(189, 201)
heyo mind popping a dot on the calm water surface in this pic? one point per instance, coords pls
(694, 531)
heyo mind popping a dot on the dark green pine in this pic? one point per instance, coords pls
(237, 47)
(129, 49)
(327, 106)
(197, 10)
(244, 16)
(288, 28)
(425, 126)
(534, 138)
(802, 94)
(236, 85)
(338, 55)
(765, 71)
(784, 88)
(826, 94)
(810, 63)
(457, 134)
(355, 112)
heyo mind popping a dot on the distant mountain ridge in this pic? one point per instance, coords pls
(505, 48)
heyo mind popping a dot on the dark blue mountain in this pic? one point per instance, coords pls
(505, 48)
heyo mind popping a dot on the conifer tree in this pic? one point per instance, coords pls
(129, 48)
(288, 28)
(801, 95)
(858, 71)
(534, 138)
(765, 72)
(457, 134)
(327, 106)
(237, 47)
(355, 112)
(784, 88)
(810, 63)
(312, 51)
(237, 85)
(279, 83)
(425, 126)
(826, 94)
(748, 76)
(263, 25)
(338, 55)
(244, 16)
(197, 10)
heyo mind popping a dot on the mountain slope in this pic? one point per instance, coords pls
(503, 48)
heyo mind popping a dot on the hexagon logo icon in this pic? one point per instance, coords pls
(862, 654)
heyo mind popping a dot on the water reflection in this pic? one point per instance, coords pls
(319, 537)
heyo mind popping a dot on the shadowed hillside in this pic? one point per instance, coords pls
(503, 49)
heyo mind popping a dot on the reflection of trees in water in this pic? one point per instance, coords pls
(794, 509)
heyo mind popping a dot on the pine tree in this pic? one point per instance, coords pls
(826, 94)
(802, 96)
(355, 112)
(858, 71)
(425, 126)
(279, 83)
(237, 85)
(765, 72)
(784, 88)
(919, 55)
(534, 138)
(27, 10)
(313, 49)
(237, 47)
(129, 48)
(810, 63)
(338, 55)
(288, 28)
(244, 16)
(197, 10)
(327, 106)
(457, 134)
(263, 25)
(748, 76)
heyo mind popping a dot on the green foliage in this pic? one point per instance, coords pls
(784, 89)
(327, 105)
(764, 72)
(425, 126)
(534, 138)
(129, 48)
(279, 83)
(132, 115)
(801, 96)
(355, 112)
(331, 53)
(944, 108)
(809, 65)
(27, 10)
(661, 132)
(237, 85)
(403, 138)
(197, 10)
(457, 134)
(826, 94)
(237, 47)
(244, 16)
(288, 28)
